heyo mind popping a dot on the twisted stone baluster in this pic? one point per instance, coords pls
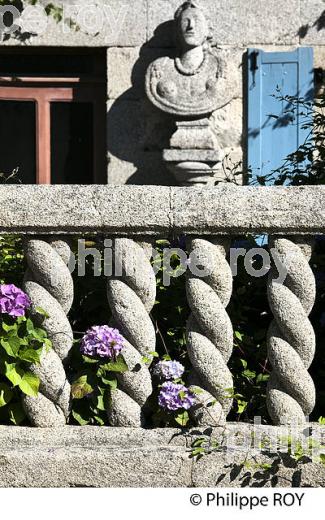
(209, 329)
(131, 295)
(291, 339)
(49, 285)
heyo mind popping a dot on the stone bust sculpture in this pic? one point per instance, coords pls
(186, 85)
(190, 87)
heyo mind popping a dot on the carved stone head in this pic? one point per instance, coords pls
(192, 27)
(187, 89)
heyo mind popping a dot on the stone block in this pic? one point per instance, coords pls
(228, 124)
(136, 136)
(120, 79)
(102, 23)
(312, 23)
(150, 170)
(93, 457)
(240, 471)
(232, 61)
(88, 436)
(319, 56)
(83, 209)
(234, 22)
(245, 465)
(126, 69)
(95, 468)
(276, 210)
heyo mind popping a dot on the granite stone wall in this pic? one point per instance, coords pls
(135, 32)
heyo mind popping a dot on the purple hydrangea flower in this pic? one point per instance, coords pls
(13, 301)
(102, 341)
(174, 396)
(169, 370)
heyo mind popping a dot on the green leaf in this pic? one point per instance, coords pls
(47, 344)
(37, 335)
(80, 420)
(250, 374)
(262, 377)
(80, 388)
(162, 242)
(112, 382)
(196, 390)
(182, 418)
(5, 394)
(229, 393)
(116, 366)
(244, 363)
(197, 451)
(89, 360)
(41, 311)
(9, 328)
(29, 326)
(29, 384)
(242, 405)
(30, 355)
(100, 403)
(198, 442)
(11, 345)
(14, 373)
(16, 413)
(239, 335)
(99, 420)
(154, 354)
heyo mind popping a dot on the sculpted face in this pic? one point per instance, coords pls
(192, 28)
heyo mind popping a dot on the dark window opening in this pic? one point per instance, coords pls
(17, 141)
(72, 154)
(53, 115)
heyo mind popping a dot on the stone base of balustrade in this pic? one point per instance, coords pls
(128, 457)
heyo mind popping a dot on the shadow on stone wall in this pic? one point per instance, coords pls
(137, 132)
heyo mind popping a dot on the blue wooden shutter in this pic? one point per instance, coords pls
(279, 74)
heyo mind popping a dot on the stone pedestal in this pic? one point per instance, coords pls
(194, 156)
(194, 167)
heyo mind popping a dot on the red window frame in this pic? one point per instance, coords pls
(44, 91)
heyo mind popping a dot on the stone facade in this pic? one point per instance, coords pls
(136, 32)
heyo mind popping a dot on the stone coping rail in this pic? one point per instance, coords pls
(132, 457)
(157, 210)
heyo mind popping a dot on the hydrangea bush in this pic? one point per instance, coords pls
(13, 301)
(175, 396)
(21, 345)
(100, 359)
(174, 399)
(168, 370)
(102, 342)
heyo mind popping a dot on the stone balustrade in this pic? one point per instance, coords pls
(209, 217)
